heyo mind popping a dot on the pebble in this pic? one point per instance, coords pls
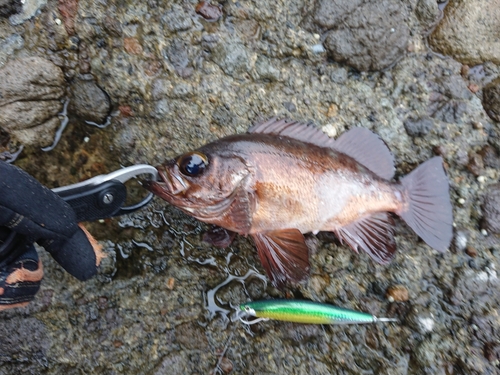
(318, 48)
(471, 251)
(226, 365)
(209, 11)
(132, 46)
(397, 293)
(460, 240)
(170, 283)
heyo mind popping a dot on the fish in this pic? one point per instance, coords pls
(285, 178)
(302, 311)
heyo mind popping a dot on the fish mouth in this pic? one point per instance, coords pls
(168, 185)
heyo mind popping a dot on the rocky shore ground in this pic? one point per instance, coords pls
(162, 77)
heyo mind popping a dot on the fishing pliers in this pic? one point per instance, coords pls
(30, 212)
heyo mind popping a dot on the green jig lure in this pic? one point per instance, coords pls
(298, 311)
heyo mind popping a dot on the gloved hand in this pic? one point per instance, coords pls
(30, 212)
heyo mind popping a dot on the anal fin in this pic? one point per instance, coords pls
(284, 255)
(373, 234)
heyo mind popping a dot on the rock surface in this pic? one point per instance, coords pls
(365, 35)
(30, 99)
(164, 301)
(469, 31)
(89, 101)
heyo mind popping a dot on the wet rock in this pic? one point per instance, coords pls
(232, 58)
(209, 11)
(89, 101)
(265, 70)
(10, 7)
(491, 209)
(491, 99)
(469, 31)
(30, 100)
(177, 19)
(365, 35)
(28, 11)
(418, 127)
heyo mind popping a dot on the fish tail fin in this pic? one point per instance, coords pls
(428, 208)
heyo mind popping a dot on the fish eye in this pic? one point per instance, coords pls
(192, 164)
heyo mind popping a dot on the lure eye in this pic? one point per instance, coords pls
(192, 164)
(247, 308)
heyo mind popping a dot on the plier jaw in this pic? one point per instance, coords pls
(104, 196)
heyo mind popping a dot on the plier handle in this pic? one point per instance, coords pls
(97, 198)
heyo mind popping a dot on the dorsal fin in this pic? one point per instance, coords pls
(358, 143)
(305, 132)
(368, 149)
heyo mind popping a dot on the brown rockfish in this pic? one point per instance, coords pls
(285, 178)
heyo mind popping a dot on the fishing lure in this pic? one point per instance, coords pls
(298, 311)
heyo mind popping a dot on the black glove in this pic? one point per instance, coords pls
(29, 212)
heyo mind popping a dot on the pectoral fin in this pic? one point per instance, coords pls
(373, 234)
(284, 255)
